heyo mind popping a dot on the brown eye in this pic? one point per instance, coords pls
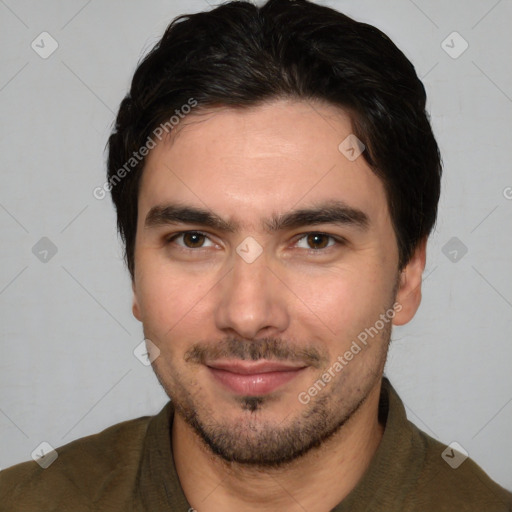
(193, 240)
(190, 240)
(318, 240)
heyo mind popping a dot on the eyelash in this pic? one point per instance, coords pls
(338, 241)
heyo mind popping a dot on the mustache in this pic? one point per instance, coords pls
(264, 348)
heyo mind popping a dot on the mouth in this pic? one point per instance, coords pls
(253, 378)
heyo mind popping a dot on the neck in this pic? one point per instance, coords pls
(317, 481)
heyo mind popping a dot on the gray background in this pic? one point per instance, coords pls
(67, 367)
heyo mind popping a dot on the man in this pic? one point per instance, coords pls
(275, 178)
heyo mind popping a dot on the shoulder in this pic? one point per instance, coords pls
(450, 480)
(83, 470)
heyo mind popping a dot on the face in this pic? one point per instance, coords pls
(266, 273)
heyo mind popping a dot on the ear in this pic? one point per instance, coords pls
(135, 304)
(408, 296)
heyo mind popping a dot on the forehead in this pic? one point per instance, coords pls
(246, 163)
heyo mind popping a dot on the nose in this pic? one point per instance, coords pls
(252, 300)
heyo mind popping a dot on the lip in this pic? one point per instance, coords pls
(253, 378)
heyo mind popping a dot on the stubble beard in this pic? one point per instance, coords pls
(253, 441)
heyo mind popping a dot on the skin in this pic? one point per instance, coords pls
(245, 165)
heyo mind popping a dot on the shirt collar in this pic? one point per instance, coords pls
(158, 482)
(391, 462)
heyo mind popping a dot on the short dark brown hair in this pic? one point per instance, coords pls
(240, 55)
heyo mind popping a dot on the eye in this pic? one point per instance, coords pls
(314, 242)
(191, 239)
(318, 241)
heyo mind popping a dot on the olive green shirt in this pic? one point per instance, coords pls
(129, 467)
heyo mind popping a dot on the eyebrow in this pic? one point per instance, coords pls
(327, 212)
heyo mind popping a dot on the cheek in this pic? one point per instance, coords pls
(162, 300)
(344, 300)
(172, 302)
